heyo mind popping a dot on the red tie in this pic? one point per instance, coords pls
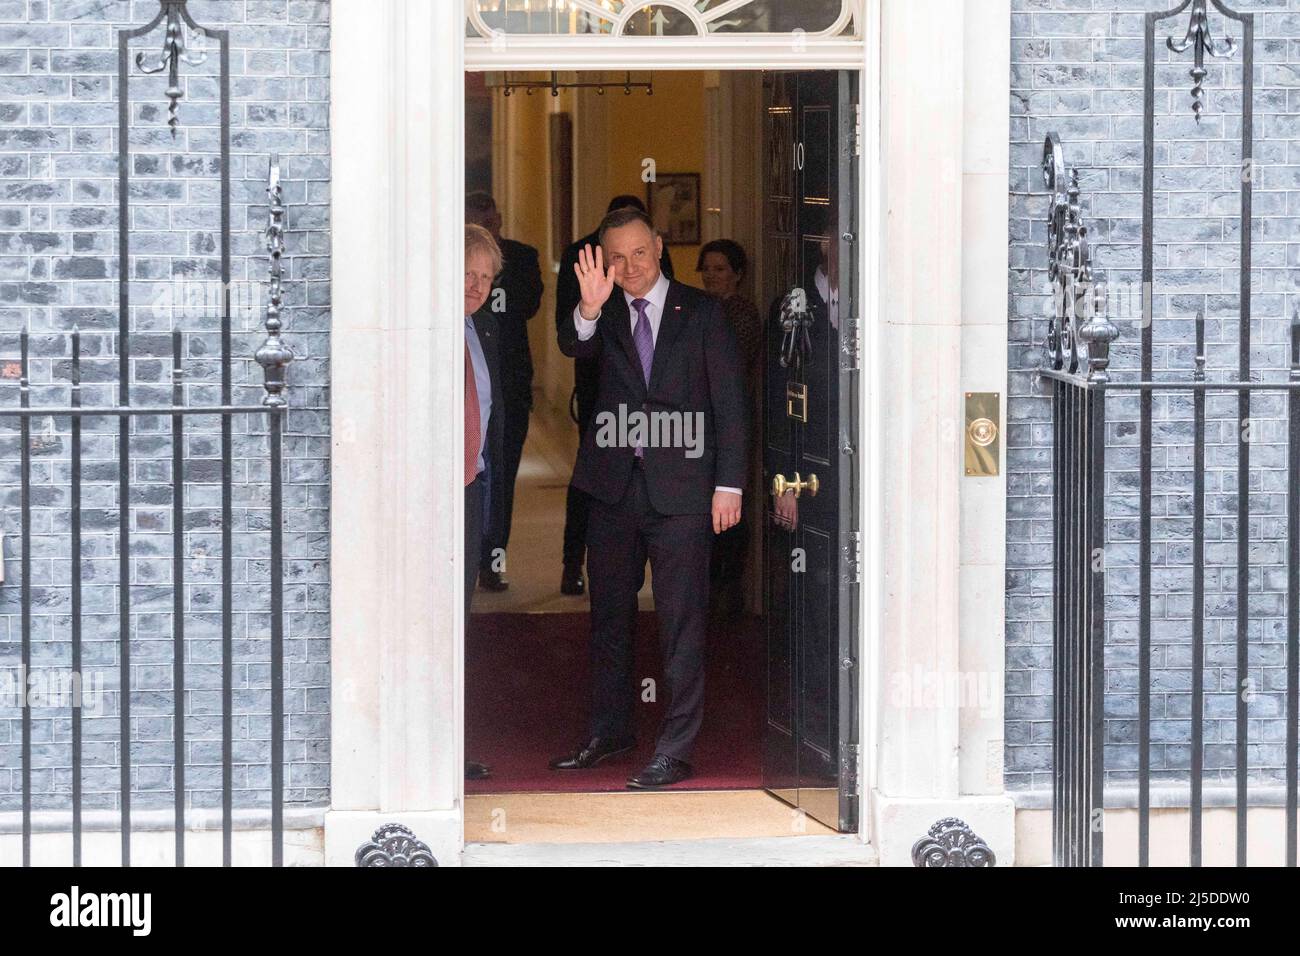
(473, 424)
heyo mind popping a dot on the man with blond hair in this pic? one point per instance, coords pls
(516, 296)
(484, 411)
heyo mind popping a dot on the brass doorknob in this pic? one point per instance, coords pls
(780, 485)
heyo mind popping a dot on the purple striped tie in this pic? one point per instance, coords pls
(643, 338)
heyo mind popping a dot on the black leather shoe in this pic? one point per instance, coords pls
(477, 771)
(490, 580)
(594, 753)
(572, 582)
(661, 771)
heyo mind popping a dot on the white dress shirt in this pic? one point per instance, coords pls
(654, 311)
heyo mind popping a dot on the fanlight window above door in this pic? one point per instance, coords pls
(488, 19)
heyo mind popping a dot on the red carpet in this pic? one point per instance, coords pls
(526, 699)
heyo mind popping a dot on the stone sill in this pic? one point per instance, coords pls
(1163, 797)
(60, 821)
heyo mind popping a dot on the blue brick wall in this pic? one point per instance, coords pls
(59, 269)
(1077, 70)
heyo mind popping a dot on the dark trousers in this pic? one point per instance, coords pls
(473, 537)
(577, 508)
(619, 539)
(514, 434)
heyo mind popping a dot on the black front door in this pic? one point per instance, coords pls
(811, 539)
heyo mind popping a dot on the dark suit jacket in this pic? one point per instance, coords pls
(489, 337)
(521, 278)
(567, 296)
(696, 369)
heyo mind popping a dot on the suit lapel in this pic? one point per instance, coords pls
(486, 340)
(671, 324)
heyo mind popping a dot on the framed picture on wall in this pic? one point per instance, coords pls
(673, 200)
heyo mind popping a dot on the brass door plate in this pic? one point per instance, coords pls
(796, 401)
(983, 434)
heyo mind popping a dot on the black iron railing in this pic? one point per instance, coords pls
(1076, 361)
(1076, 364)
(183, 43)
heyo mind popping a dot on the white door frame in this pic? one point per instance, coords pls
(397, 116)
(397, 140)
(738, 53)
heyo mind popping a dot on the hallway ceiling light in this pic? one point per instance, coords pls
(508, 83)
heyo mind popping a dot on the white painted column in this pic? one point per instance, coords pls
(985, 242)
(397, 102)
(936, 60)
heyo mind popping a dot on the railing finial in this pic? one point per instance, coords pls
(178, 44)
(1202, 42)
(274, 355)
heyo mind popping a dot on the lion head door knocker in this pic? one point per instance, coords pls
(795, 318)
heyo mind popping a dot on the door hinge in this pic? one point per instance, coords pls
(852, 552)
(857, 129)
(850, 345)
(849, 754)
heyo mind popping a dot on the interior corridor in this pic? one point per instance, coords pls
(537, 529)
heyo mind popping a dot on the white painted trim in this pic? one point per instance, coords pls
(396, 436)
(738, 52)
(448, 172)
(397, 716)
(690, 13)
(760, 53)
(849, 11)
(985, 268)
(871, 227)
(942, 532)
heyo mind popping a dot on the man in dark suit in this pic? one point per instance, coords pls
(567, 294)
(665, 354)
(517, 301)
(484, 415)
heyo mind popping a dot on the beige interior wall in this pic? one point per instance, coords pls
(522, 176)
(667, 128)
(614, 134)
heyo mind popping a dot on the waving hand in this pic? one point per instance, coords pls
(594, 281)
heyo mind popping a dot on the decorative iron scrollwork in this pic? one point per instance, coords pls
(394, 845)
(1078, 333)
(179, 44)
(1202, 42)
(950, 842)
